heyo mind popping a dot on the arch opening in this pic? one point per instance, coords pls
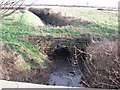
(61, 53)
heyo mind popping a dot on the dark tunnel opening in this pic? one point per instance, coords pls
(61, 53)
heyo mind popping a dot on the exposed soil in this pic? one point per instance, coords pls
(51, 18)
(11, 70)
(63, 72)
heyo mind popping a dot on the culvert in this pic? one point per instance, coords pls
(61, 53)
(64, 73)
(67, 71)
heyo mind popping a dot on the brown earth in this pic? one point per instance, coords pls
(49, 17)
(12, 70)
(102, 69)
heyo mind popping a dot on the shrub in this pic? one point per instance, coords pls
(102, 69)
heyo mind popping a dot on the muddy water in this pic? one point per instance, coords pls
(65, 74)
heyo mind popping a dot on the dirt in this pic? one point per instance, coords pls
(52, 18)
(11, 71)
(63, 72)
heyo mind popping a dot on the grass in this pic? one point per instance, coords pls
(70, 31)
(101, 29)
(104, 22)
(93, 15)
(26, 23)
(12, 27)
(25, 17)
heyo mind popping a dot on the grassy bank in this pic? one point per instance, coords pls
(93, 15)
(103, 22)
(15, 25)
(25, 23)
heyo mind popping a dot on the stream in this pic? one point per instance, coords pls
(65, 74)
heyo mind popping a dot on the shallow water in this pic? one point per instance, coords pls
(65, 74)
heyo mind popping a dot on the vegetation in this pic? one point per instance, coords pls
(25, 23)
(6, 5)
(21, 60)
(84, 20)
(104, 64)
(93, 15)
(104, 22)
(13, 27)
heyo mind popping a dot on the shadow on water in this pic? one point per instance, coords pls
(65, 74)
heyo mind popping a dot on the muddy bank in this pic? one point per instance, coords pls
(89, 68)
(58, 73)
(15, 68)
(51, 18)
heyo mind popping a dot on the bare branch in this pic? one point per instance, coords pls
(11, 6)
(7, 5)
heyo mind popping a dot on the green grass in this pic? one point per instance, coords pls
(25, 23)
(93, 15)
(101, 29)
(25, 17)
(104, 22)
(12, 27)
(19, 24)
(70, 31)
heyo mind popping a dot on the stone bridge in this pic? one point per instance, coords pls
(47, 44)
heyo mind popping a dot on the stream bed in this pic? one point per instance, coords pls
(65, 74)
